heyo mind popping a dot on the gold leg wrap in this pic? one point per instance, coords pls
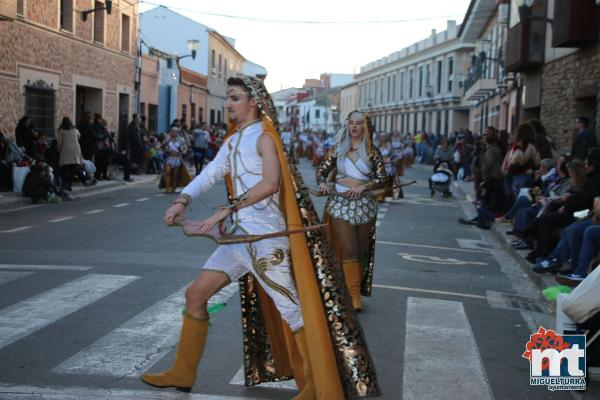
(167, 182)
(308, 391)
(189, 352)
(352, 275)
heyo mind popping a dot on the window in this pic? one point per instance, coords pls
(225, 70)
(381, 91)
(411, 84)
(152, 118)
(450, 72)
(420, 81)
(183, 114)
(439, 76)
(219, 117)
(142, 109)
(394, 87)
(99, 23)
(220, 65)
(66, 15)
(317, 113)
(428, 87)
(389, 89)
(212, 117)
(193, 114)
(200, 115)
(125, 28)
(40, 105)
(20, 7)
(213, 70)
(402, 85)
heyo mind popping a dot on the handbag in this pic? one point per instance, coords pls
(19, 174)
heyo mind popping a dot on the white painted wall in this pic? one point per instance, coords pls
(169, 31)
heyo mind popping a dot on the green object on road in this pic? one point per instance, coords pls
(216, 308)
(550, 293)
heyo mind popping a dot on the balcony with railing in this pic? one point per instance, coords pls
(481, 78)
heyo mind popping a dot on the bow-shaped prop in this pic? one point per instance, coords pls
(219, 235)
(315, 191)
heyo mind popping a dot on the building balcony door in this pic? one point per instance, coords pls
(123, 111)
(87, 99)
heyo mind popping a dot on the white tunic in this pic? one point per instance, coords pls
(267, 260)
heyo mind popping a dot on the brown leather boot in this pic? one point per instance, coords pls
(308, 392)
(189, 352)
(353, 278)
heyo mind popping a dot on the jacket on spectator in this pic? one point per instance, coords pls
(584, 199)
(68, 147)
(490, 163)
(584, 140)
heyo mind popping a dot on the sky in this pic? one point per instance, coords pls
(292, 52)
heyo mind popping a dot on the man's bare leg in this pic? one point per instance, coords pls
(193, 333)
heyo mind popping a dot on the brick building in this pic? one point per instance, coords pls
(54, 64)
(554, 46)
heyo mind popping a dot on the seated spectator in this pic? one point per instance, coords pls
(519, 161)
(570, 203)
(579, 242)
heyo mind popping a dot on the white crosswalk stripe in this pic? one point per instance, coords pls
(440, 353)
(13, 392)
(8, 276)
(140, 342)
(438, 333)
(28, 316)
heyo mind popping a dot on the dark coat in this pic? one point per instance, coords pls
(584, 140)
(87, 140)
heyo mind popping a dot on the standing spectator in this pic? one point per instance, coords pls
(584, 139)
(26, 135)
(124, 149)
(70, 158)
(201, 138)
(522, 158)
(87, 139)
(102, 147)
(542, 142)
(134, 142)
(443, 154)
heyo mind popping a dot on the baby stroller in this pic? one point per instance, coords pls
(440, 180)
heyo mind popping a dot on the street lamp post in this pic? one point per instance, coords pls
(107, 6)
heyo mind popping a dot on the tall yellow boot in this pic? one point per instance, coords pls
(308, 392)
(353, 278)
(189, 352)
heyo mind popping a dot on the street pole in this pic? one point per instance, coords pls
(138, 74)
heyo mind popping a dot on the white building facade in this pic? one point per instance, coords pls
(418, 88)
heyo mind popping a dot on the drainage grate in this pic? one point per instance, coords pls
(510, 301)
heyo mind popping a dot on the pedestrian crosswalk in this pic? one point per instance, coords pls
(437, 333)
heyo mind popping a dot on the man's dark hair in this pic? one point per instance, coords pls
(491, 138)
(235, 81)
(585, 121)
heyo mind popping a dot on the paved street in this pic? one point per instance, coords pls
(91, 293)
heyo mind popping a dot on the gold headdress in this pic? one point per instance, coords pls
(255, 88)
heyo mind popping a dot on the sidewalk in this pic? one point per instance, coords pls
(11, 200)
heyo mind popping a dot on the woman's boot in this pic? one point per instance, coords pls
(189, 352)
(308, 392)
(352, 278)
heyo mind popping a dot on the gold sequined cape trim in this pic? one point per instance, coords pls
(342, 366)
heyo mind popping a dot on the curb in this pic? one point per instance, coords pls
(542, 281)
(13, 202)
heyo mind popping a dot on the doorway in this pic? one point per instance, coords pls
(87, 99)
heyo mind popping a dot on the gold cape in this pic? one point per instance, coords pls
(340, 361)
